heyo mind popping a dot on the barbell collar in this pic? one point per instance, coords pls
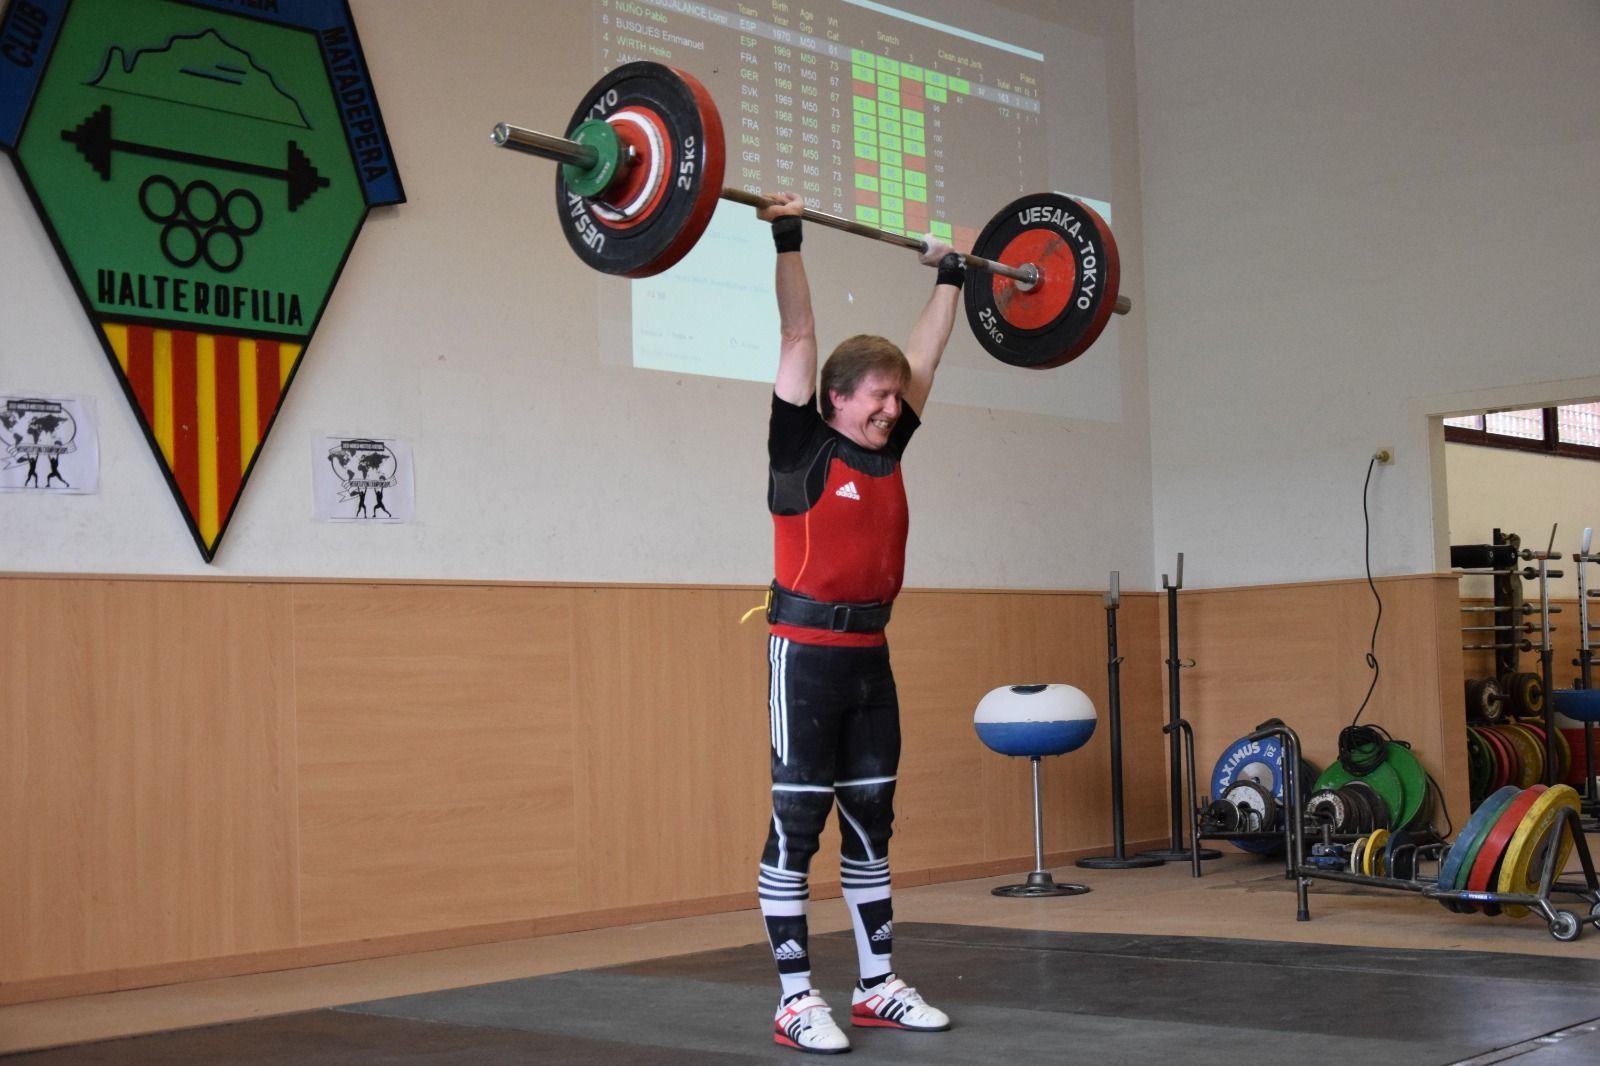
(564, 150)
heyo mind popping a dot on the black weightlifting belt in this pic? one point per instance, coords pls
(793, 609)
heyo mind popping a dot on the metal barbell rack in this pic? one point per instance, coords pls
(1498, 560)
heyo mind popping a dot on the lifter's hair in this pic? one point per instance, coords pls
(856, 358)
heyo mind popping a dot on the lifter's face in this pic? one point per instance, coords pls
(867, 416)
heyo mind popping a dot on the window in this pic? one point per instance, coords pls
(1572, 429)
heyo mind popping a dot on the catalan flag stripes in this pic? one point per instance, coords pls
(207, 399)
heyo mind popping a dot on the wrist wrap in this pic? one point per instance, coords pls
(952, 270)
(786, 234)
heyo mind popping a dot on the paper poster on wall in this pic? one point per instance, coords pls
(49, 444)
(362, 479)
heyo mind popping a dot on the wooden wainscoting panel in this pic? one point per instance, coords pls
(960, 802)
(671, 721)
(943, 646)
(1298, 652)
(436, 752)
(146, 774)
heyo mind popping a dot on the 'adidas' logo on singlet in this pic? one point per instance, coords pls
(848, 491)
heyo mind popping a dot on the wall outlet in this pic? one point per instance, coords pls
(1385, 456)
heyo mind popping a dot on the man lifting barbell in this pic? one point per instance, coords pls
(840, 521)
(641, 173)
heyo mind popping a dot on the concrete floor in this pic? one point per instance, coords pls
(1240, 911)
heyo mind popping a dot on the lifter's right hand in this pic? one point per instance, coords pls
(933, 250)
(783, 203)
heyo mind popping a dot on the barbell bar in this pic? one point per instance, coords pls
(588, 157)
(641, 172)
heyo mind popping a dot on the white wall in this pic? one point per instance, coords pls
(463, 323)
(1524, 493)
(1352, 210)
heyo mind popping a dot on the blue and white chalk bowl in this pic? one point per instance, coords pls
(1032, 721)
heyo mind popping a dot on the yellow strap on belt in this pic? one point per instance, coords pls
(765, 603)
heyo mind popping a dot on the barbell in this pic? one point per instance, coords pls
(641, 173)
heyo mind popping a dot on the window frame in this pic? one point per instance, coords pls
(1547, 445)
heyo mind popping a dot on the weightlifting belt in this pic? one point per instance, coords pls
(794, 609)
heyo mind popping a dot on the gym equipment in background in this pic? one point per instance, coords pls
(1033, 721)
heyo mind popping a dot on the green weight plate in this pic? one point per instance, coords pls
(1485, 766)
(590, 182)
(1458, 860)
(1478, 768)
(1506, 770)
(1383, 780)
(1485, 871)
(1525, 855)
(1413, 782)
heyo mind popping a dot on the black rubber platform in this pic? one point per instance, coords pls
(1014, 995)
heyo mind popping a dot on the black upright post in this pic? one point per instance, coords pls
(1585, 663)
(1118, 859)
(1178, 852)
(1547, 657)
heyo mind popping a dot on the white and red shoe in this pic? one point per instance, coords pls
(806, 1023)
(893, 1004)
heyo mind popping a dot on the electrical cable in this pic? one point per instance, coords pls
(1363, 749)
(1372, 645)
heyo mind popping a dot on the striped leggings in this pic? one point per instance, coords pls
(835, 720)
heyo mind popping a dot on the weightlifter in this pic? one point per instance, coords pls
(839, 511)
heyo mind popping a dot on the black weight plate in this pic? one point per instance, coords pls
(1376, 803)
(1381, 781)
(1257, 811)
(1222, 816)
(1527, 694)
(1358, 810)
(1399, 844)
(1066, 311)
(677, 108)
(1328, 807)
(1485, 701)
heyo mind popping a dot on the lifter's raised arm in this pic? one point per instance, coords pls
(797, 354)
(931, 333)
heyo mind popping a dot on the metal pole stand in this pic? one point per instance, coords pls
(1039, 882)
(1118, 859)
(1585, 664)
(1177, 852)
(1547, 653)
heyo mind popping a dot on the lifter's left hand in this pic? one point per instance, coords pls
(783, 203)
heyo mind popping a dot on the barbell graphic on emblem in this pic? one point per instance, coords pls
(92, 137)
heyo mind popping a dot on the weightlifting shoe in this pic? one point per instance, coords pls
(805, 1023)
(893, 1004)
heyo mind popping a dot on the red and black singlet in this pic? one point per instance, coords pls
(839, 515)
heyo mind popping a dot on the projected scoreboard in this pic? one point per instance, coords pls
(897, 120)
